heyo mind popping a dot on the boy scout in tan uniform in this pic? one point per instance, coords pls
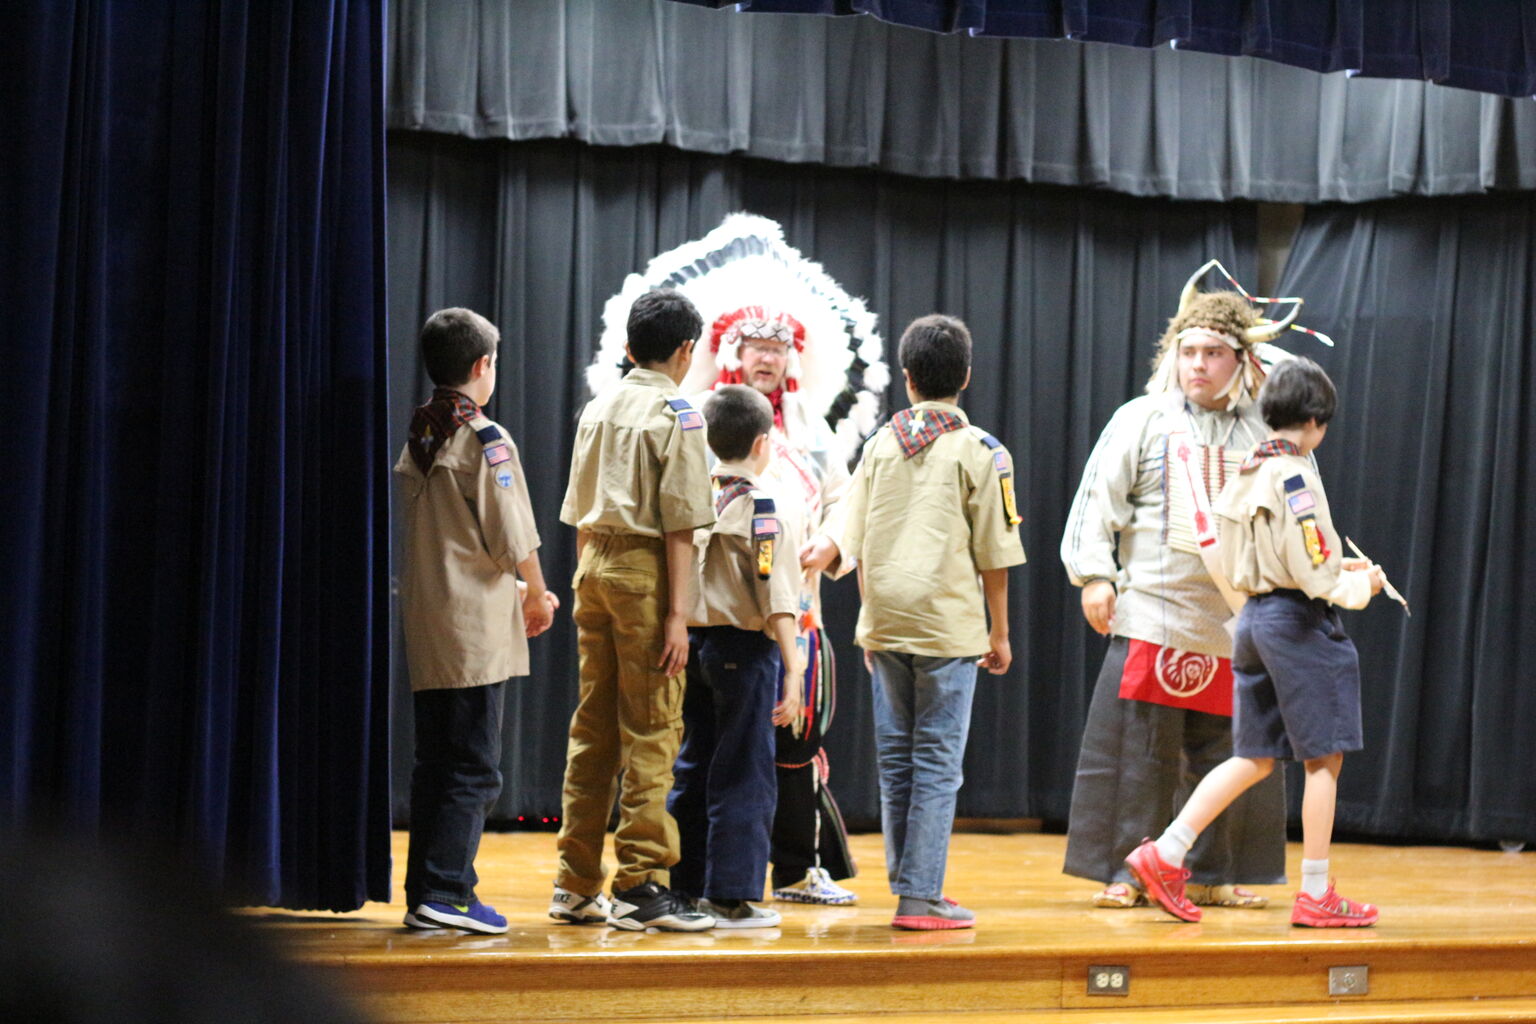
(1296, 675)
(469, 535)
(930, 509)
(744, 648)
(639, 486)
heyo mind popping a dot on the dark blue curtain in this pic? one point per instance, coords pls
(1489, 45)
(194, 552)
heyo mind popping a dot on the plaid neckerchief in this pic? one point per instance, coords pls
(730, 488)
(434, 423)
(916, 429)
(1268, 450)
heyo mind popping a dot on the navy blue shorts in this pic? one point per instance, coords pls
(1295, 680)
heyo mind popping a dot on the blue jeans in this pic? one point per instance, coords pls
(922, 718)
(725, 787)
(454, 785)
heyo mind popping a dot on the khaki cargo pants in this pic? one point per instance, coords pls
(628, 719)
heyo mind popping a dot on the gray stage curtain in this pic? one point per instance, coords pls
(854, 92)
(1065, 290)
(1429, 467)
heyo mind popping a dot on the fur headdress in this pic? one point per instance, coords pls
(1232, 317)
(747, 283)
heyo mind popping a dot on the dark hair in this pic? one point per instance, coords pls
(452, 341)
(737, 416)
(935, 351)
(659, 322)
(1297, 390)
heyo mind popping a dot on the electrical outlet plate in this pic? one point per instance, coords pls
(1109, 980)
(1349, 981)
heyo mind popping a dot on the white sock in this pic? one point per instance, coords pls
(1173, 845)
(1314, 877)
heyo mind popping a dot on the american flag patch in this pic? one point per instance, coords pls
(765, 526)
(1000, 461)
(1301, 501)
(496, 454)
(687, 416)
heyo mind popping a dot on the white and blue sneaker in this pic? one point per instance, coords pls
(565, 905)
(472, 917)
(816, 887)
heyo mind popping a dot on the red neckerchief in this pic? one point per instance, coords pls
(731, 488)
(776, 399)
(434, 423)
(1268, 450)
(916, 429)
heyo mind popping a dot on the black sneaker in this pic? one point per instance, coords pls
(655, 906)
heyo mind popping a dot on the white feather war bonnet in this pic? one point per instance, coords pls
(1231, 317)
(748, 283)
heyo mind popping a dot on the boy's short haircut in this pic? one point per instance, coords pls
(935, 351)
(452, 341)
(1297, 390)
(660, 321)
(736, 416)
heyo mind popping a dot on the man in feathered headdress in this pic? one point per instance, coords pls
(1140, 542)
(779, 324)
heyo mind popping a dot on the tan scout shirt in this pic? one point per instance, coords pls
(639, 465)
(922, 528)
(731, 593)
(1264, 542)
(468, 523)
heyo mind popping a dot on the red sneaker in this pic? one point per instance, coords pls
(1332, 911)
(1162, 881)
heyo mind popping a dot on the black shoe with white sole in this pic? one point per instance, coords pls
(655, 906)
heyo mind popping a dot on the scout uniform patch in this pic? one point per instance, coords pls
(1301, 501)
(1317, 547)
(496, 452)
(765, 530)
(1005, 477)
(687, 416)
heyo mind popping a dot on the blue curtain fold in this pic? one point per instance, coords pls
(1488, 45)
(196, 553)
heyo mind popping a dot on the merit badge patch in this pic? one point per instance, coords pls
(1301, 501)
(496, 454)
(687, 416)
(504, 478)
(1317, 548)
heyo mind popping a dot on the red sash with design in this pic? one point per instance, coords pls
(1178, 679)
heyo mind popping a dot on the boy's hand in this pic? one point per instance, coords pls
(817, 554)
(674, 644)
(786, 711)
(1377, 577)
(1099, 605)
(538, 609)
(997, 660)
(1356, 564)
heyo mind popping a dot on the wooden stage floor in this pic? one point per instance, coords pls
(1456, 942)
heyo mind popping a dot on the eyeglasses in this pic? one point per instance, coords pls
(767, 348)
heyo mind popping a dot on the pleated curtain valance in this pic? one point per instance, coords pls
(1488, 45)
(856, 92)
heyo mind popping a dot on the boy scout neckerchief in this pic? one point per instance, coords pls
(730, 488)
(916, 429)
(1268, 450)
(434, 423)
